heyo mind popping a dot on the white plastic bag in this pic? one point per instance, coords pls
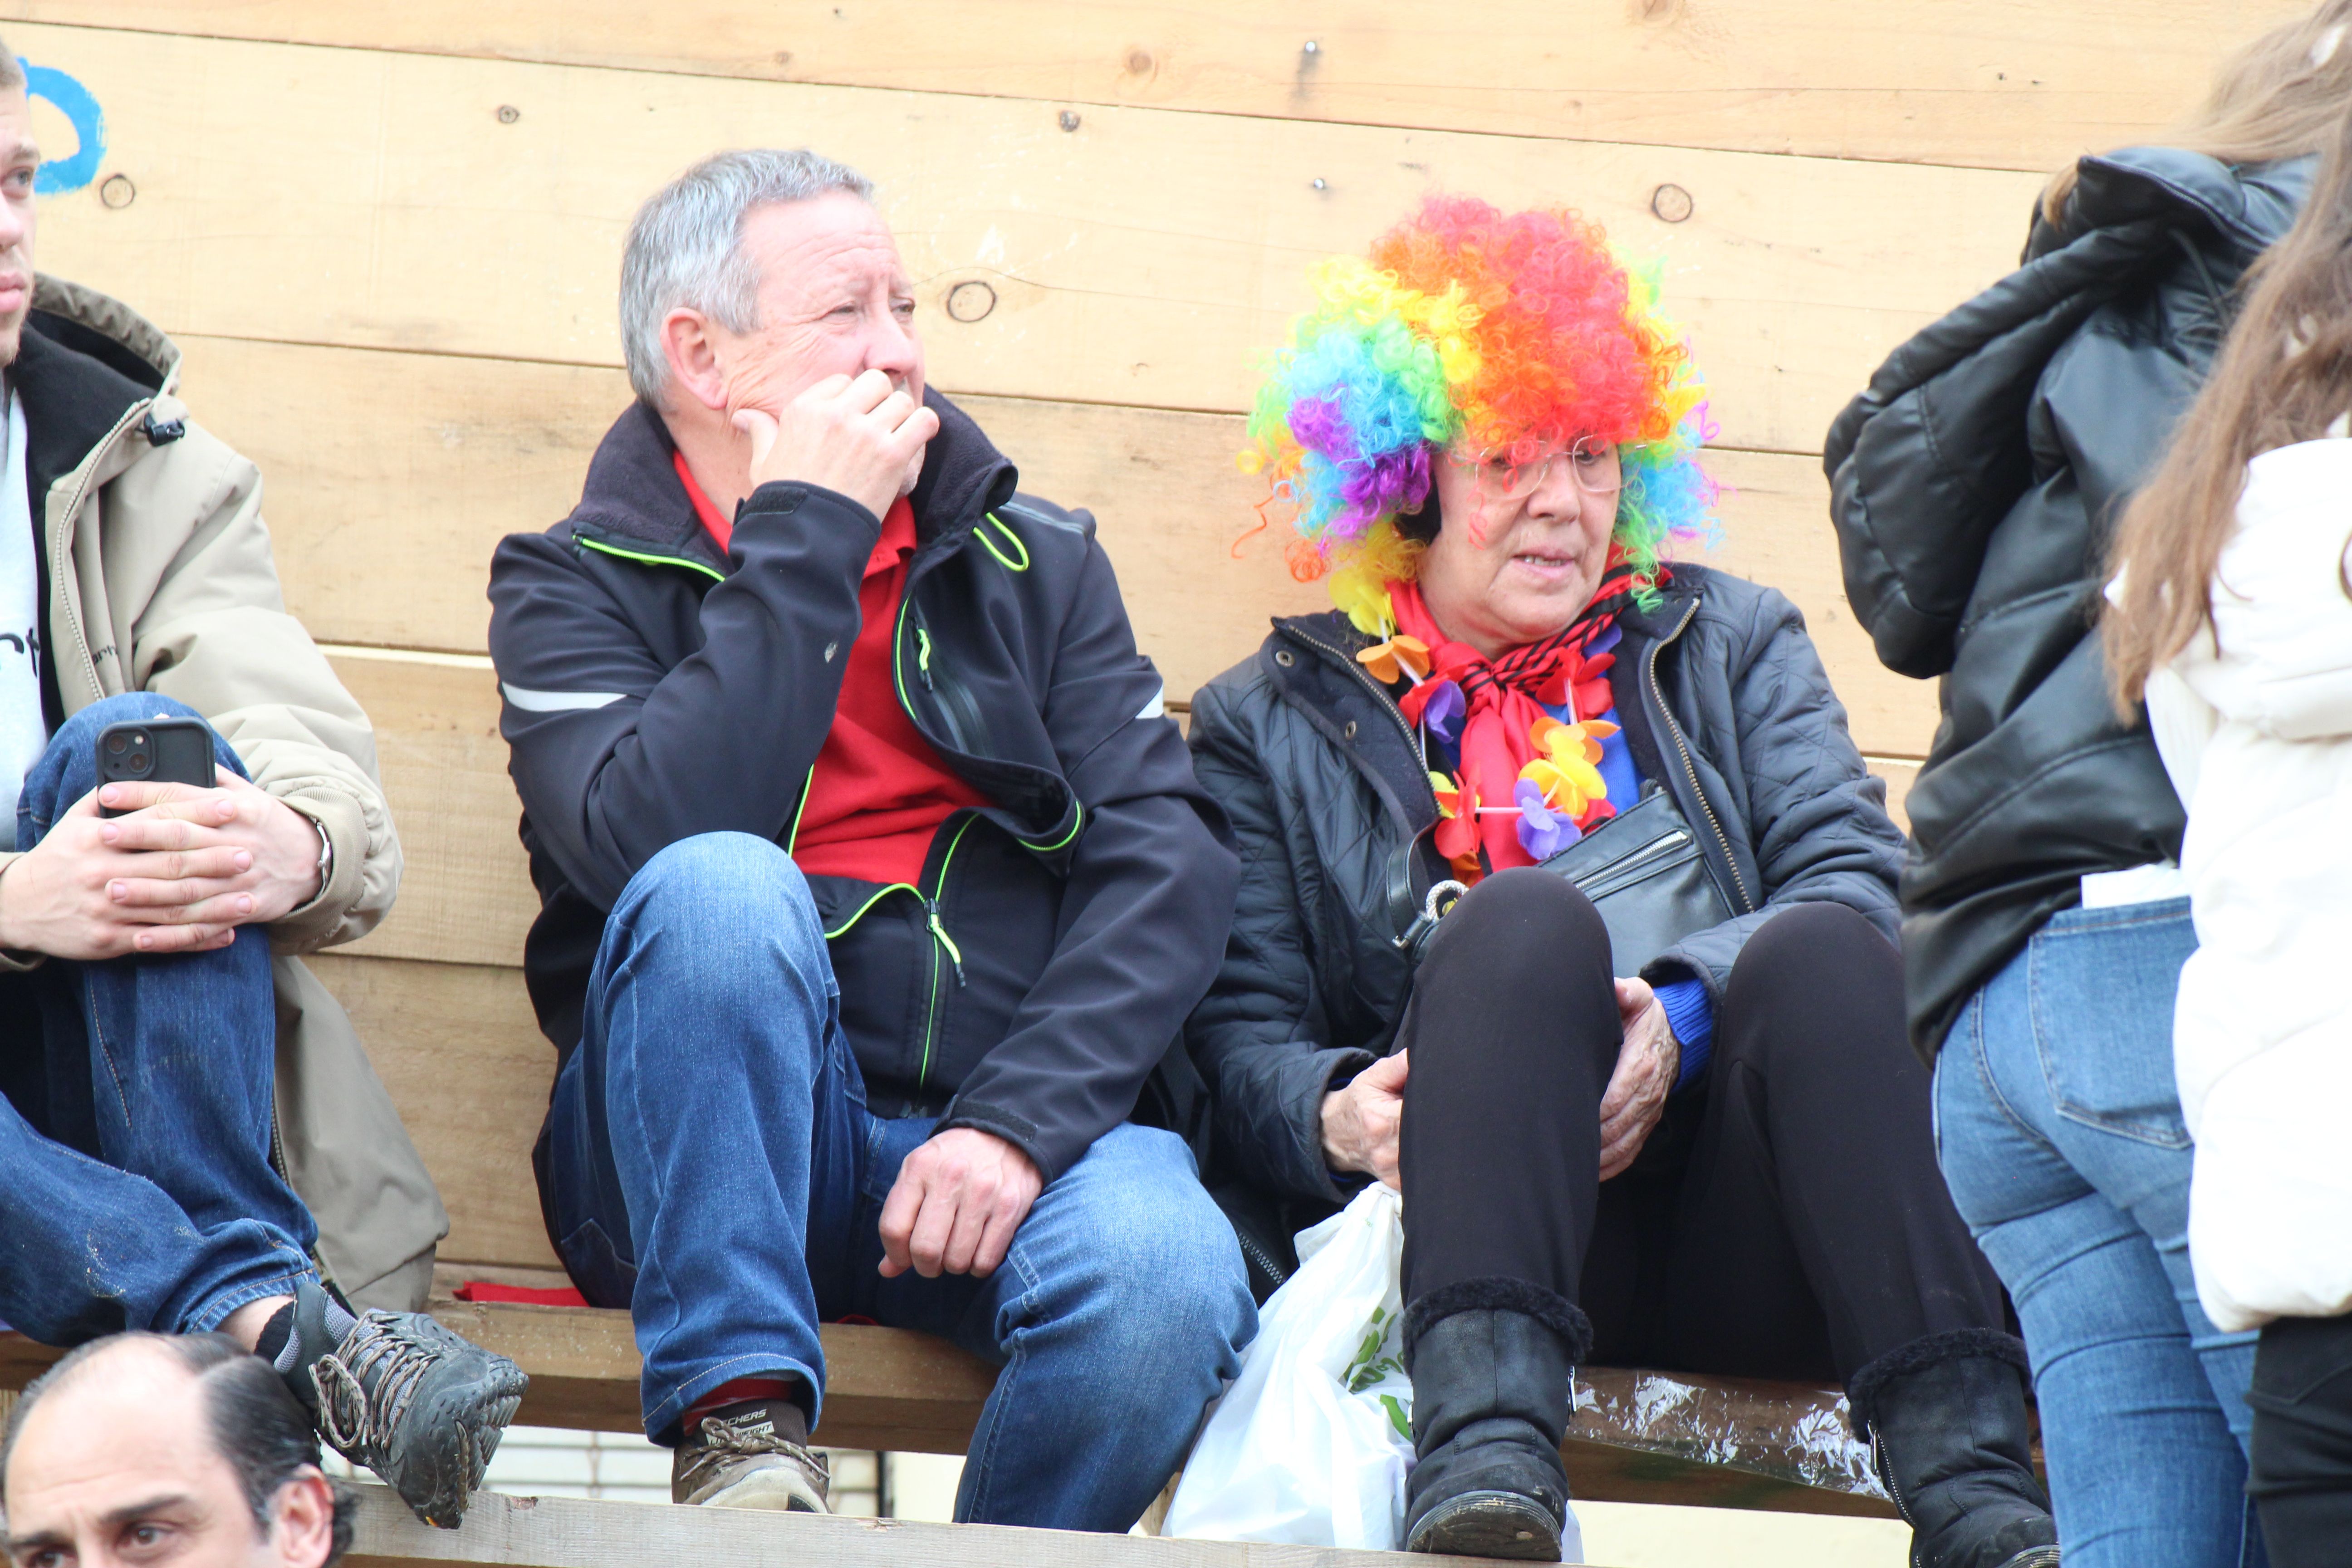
(1312, 1442)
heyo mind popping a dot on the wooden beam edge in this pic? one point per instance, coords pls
(684, 71)
(572, 1532)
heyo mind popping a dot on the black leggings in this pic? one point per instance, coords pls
(1785, 1220)
(2301, 1474)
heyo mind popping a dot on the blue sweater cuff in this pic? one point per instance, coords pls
(1692, 1017)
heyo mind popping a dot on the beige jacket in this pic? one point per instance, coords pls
(160, 579)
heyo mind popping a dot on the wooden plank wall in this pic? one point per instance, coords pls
(387, 237)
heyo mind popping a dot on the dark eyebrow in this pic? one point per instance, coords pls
(23, 151)
(45, 1541)
(115, 1519)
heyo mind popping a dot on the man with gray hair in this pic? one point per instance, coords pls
(159, 1448)
(876, 887)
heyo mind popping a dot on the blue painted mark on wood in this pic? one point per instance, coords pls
(80, 109)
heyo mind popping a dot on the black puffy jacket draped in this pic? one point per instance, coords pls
(1974, 487)
(1724, 703)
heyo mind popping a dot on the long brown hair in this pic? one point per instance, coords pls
(2284, 376)
(2278, 97)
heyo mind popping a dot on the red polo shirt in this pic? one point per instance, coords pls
(879, 791)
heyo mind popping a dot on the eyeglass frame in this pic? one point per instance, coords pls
(1525, 478)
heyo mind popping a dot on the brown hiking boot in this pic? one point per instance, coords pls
(755, 1456)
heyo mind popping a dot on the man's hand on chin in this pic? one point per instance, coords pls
(862, 438)
(957, 1202)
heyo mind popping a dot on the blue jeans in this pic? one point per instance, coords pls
(713, 1167)
(135, 1131)
(2061, 1135)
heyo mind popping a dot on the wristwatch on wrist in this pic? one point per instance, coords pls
(326, 855)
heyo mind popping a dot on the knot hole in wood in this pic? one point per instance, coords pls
(970, 300)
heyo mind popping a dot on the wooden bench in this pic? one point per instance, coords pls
(894, 1390)
(457, 1045)
(887, 1388)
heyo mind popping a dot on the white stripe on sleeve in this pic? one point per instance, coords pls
(531, 702)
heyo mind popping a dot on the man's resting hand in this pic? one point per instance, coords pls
(179, 873)
(957, 1202)
(860, 438)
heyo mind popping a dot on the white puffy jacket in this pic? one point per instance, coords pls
(2257, 733)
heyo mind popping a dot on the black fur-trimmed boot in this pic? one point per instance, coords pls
(1945, 1418)
(1492, 1362)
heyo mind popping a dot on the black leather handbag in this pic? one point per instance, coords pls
(1643, 870)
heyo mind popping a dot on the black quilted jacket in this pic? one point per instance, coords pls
(1724, 702)
(1974, 487)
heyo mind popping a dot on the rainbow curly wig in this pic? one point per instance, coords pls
(1511, 334)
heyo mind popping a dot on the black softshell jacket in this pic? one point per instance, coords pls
(1974, 487)
(657, 690)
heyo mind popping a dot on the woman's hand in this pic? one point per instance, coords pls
(1647, 1065)
(1360, 1122)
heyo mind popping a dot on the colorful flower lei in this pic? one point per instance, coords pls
(1558, 797)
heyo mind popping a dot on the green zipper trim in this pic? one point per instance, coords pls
(946, 861)
(1063, 841)
(940, 931)
(898, 657)
(652, 559)
(932, 910)
(923, 650)
(879, 894)
(939, 934)
(1002, 559)
(799, 811)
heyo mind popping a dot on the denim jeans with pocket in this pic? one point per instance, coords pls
(2060, 1133)
(136, 1190)
(713, 1167)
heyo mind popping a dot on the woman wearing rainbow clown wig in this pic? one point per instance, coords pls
(1487, 436)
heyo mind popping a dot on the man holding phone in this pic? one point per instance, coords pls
(876, 887)
(155, 1173)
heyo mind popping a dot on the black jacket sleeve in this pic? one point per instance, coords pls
(1148, 894)
(1816, 819)
(1260, 1037)
(615, 759)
